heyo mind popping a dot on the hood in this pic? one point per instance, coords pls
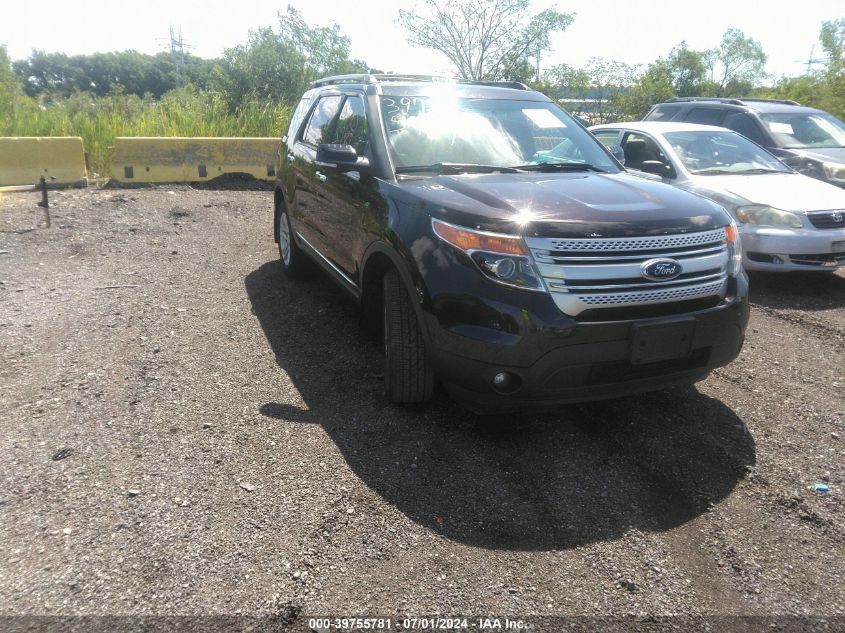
(790, 192)
(582, 204)
(829, 154)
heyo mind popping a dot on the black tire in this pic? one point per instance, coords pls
(408, 376)
(294, 262)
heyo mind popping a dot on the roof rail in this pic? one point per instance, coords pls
(516, 85)
(343, 79)
(373, 79)
(716, 99)
(783, 101)
(734, 101)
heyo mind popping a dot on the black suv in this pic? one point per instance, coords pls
(498, 247)
(808, 140)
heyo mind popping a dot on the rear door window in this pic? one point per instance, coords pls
(662, 113)
(705, 116)
(607, 137)
(742, 123)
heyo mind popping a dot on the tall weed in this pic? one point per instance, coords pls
(98, 120)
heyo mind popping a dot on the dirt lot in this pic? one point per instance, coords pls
(184, 432)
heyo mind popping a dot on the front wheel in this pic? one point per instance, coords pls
(408, 376)
(293, 260)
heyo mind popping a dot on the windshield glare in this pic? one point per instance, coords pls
(794, 131)
(720, 152)
(426, 130)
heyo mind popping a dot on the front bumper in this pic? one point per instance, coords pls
(784, 249)
(586, 361)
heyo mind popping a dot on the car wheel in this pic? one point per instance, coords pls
(293, 260)
(408, 376)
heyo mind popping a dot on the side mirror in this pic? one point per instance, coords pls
(340, 157)
(618, 153)
(657, 167)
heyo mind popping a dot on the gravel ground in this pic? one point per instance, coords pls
(185, 432)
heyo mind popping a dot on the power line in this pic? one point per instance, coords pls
(810, 61)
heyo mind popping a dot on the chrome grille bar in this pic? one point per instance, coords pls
(584, 274)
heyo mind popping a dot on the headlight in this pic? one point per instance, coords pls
(767, 216)
(502, 258)
(734, 250)
(834, 171)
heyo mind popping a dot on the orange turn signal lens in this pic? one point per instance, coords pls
(731, 233)
(475, 241)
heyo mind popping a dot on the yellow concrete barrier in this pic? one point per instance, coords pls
(178, 159)
(24, 159)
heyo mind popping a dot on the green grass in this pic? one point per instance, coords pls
(98, 120)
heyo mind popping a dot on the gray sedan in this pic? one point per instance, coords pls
(786, 221)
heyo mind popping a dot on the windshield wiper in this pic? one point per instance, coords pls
(712, 172)
(455, 168)
(761, 170)
(551, 167)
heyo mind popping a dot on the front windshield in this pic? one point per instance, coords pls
(443, 128)
(722, 153)
(818, 129)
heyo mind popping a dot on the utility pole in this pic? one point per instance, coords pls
(813, 60)
(177, 52)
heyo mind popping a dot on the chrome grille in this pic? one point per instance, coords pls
(637, 243)
(585, 274)
(828, 219)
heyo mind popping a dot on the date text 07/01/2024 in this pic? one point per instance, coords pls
(417, 624)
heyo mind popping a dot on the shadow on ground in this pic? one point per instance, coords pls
(531, 481)
(798, 290)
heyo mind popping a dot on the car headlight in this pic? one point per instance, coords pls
(767, 216)
(834, 171)
(502, 258)
(734, 250)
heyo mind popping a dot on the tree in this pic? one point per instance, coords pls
(609, 82)
(687, 70)
(484, 39)
(832, 38)
(57, 75)
(280, 65)
(653, 86)
(824, 88)
(9, 87)
(681, 74)
(736, 65)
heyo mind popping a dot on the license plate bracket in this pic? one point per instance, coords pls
(655, 342)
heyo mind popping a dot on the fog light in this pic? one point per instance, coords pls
(506, 382)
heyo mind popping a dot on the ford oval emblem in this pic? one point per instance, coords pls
(662, 269)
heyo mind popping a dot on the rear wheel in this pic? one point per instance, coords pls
(408, 376)
(293, 260)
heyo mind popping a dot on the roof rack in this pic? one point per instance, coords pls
(783, 101)
(733, 101)
(375, 79)
(716, 99)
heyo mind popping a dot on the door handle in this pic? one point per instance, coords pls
(321, 176)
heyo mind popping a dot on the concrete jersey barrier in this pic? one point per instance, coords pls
(24, 159)
(182, 159)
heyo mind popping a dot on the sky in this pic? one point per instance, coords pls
(622, 30)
